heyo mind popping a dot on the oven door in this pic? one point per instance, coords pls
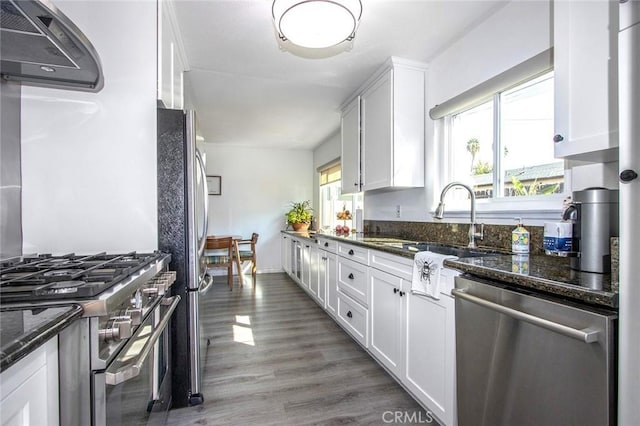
(135, 389)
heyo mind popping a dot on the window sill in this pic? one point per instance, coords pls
(503, 211)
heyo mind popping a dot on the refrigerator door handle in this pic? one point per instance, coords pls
(203, 238)
(587, 336)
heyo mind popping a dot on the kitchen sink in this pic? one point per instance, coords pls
(448, 250)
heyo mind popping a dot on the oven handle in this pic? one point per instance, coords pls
(586, 335)
(132, 369)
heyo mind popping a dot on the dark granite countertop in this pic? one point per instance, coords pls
(389, 244)
(24, 329)
(542, 273)
(539, 272)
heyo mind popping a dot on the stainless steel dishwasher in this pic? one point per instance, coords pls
(525, 359)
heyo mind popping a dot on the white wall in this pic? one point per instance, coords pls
(89, 160)
(257, 187)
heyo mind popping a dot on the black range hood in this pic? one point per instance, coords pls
(40, 46)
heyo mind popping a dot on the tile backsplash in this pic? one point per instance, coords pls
(495, 236)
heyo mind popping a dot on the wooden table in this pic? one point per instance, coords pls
(236, 251)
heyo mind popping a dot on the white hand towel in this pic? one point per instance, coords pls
(426, 273)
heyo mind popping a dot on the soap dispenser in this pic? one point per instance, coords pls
(520, 239)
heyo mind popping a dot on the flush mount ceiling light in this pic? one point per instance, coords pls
(316, 23)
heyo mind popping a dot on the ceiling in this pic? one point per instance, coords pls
(249, 90)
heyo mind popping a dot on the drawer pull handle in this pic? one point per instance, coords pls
(395, 290)
(349, 314)
(558, 138)
(351, 252)
(326, 244)
(402, 293)
(351, 276)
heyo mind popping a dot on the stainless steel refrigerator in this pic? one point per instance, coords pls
(182, 229)
(629, 102)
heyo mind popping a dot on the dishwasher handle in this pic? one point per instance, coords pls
(586, 335)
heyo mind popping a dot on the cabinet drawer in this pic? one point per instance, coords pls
(352, 280)
(359, 254)
(354, 318)
(395, 265)
(328, 245)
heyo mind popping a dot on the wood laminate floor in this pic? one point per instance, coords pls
(276, 358)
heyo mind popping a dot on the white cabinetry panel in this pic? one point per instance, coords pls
(29, 391)
(586, 80)
(430, 353)
(350, 160)
(387, 319)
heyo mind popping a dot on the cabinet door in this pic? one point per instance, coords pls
(314, 265)
(386, 307)
(429, 370)
(29, 392)
(377, 134)
(332, 283)
(306, 264)
(285, 253)
(296, 260)
(586, 80)
(350, 160)
(170, 66)
(322, 278)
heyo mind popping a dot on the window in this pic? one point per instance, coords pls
(332, 201)
(503, 148)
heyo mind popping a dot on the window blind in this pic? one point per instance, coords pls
(331, 174)
(530, 68)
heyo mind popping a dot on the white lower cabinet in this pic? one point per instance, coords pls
(314, 264)
(387, 304)
(286, 246)
(331, 273)
(29, 391)
(354, 318)
(306, 264)
(430, 358)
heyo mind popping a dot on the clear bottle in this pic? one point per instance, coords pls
(520, 239)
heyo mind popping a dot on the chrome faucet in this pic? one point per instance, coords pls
(439, 213)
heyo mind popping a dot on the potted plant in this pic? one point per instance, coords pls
(300, 216)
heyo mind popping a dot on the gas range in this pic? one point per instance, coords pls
(121, 341)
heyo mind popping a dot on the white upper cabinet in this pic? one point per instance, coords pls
(170, 64)
(391, 128)
(586, 79)
(350, 159)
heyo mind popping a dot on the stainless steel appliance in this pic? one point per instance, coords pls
(182, 230)
(629, 99)
(113, 363)
(529, 360)
(594, 213)
(41, 46)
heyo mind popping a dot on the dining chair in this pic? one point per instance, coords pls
(219, 254)
(248, 254)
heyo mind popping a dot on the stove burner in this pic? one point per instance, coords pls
(14, 275)
(65, 285)
(59, 272)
